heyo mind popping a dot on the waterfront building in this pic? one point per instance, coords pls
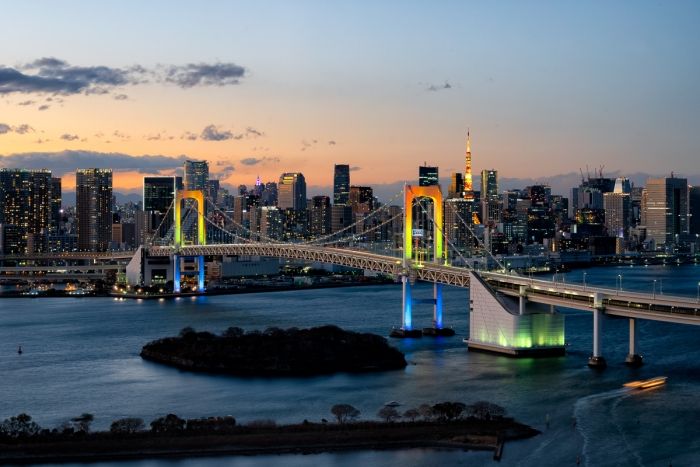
(56, 211)
(93, 201)
(341, 217)
(158, 197)
(667, 210)
(25, 210)
(617, 214)
(694, 211)
(341, 184)
(270, 222)
(291, 191)
(428, 176)
(320, 216)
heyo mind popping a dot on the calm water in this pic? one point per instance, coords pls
(81, 355)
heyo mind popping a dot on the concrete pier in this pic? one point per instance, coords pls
(596, 360)
(633, 358)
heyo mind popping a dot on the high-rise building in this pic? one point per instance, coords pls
(93, 203)
(56, 199)
(694, 208)
(617, 214)
(269, 195)
(270, 222)
(291, 191)
(489, 184)
(468, 186)
(25, 209)
(457, 222)
(320, 216)
(158, 198)
(196, 175)
(667, 210)
(622, 185)
(341, 217)
(456, 188)
(341, 184)
(428, 176)
(361, 199)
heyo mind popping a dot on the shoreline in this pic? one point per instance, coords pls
(466, 434)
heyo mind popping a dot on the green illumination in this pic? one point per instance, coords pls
(528, 331)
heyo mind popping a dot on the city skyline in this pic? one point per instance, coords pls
(301, 88)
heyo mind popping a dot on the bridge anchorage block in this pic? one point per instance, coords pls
(597, 362)
(634, 360)
(402, 333)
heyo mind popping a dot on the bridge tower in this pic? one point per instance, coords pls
(198, 197)
(407, 279)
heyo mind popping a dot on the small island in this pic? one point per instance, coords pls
(276, 352)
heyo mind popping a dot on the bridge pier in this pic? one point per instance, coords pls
(406, 329)
(176, 273)
(596, 360)
(437, 329)
(633, 358)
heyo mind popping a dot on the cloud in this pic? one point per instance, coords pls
(202, 74)
(120, 97)
(332, 143)
(439, 87)
(30, 102)
(69, 160)
(258, 160)
(156, 137)
(212, 133)
(44, 107)
(250, 131)
(355, 168)
(69, 137)
(225, 172)
(120, 135)
(189, 136)
(19, 129)
(50, 75)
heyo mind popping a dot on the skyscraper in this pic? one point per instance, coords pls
(196, 175)
(361, 199)
(428, 176)
(341, 183)
(667, 210)
(93, 203)
(55, 221)
(320, 216)
(489, 184)
(291, 191)
(25, 209)
(158, 196)
(617, 214)
(456, 188)
(468, 186)
(694, 208)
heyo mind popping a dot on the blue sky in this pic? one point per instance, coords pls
(546, 87)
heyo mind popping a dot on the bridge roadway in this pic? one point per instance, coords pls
(616, 302)
(85, 255)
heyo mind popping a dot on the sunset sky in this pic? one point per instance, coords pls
(261, 88)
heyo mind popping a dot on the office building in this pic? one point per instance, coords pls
(320, 216)
(93, 203)
(291, 191)
(196, 175)
(341, 184)
(666, 210)
(361, 199)
(694, 209)
(25, 210)
(158, 198)
(617, 214)
(428, 176)
(456, 187)
(489, 184)
(56, 211)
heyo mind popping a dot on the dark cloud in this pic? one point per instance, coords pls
(226, 171)
(189, 136)
(355, 168)
(51, 75)
(120, 97)
(439, 87)
(156, 137)
(44, 107)
(259, 160)
(24, 129)
(202, 74)
(253, 132)
(69, 137)
(26, 103)
(19, 129)
(212, 133)
(332, 143)
(68, 161)
(120, 135)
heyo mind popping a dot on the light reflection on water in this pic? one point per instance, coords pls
(81, 355)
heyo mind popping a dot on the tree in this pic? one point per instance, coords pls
(344, 412)
(171, 423)
(426, 411)
(82, 422)
(411, 414)
(484, 410)
(127, 425)
(18, 426)
(388, 414)
(187, 330)
(448, 411)
(233, 331)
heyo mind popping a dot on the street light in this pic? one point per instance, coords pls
(584, 281)
(653, 290)
(619, 276)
